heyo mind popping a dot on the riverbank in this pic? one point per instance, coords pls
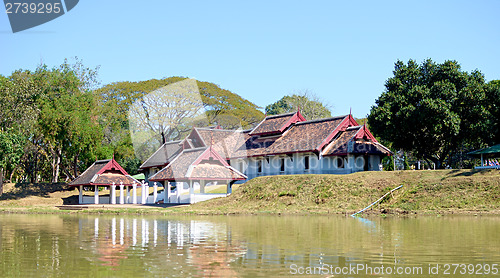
(423, 192)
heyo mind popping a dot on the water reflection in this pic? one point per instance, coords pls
(103, 246)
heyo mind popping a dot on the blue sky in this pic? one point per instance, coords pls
(343, 51)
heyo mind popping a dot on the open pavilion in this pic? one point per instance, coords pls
(487, 153)
(109, 174)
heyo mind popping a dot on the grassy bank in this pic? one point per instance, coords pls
(441, 191)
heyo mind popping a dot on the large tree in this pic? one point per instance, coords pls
(433, 110)
(220, 106)
(309, 104)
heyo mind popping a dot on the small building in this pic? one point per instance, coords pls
(487, 155)
(109, 174)
(196, 166)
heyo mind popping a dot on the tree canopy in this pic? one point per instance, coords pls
(311, 107)
(434, 110)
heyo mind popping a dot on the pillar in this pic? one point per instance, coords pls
(229, 190)
(178, 186)
(143, 193)
(146, 191)
(482, 160)
(202, 186)
(155, 193)
(127, 199)
(96, 195)
(113, 194)
(134, 193)
(122, 199)
(80, 195)
(191, 192)
(167, 191)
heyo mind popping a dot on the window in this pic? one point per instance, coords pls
(259, 166)
(306, 162)
(282, 165)
(340, 162)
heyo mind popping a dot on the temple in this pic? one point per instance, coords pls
(279, 145)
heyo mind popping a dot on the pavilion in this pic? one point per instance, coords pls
(108, 173)
(487, 153)
(197, 165)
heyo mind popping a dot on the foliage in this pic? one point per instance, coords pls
(11, 150)
(311, 107)
(432, 110)
(221, 107)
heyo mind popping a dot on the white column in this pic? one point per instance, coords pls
(202, 186)
(134, 193)
(178, 187)
(113, 194)
(143, 193)
(80, 195)
(146, 192)
(167, 191)
(127, 199)
(96, 195)
(229, 190)
(191, 192)
(482, 160)
(155, 194)
(122, 200)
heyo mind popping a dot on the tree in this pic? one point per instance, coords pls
(432, 110)
(11, 150)
(310, 106)
(68, 118)
(220, 106)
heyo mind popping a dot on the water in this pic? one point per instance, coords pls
(247, 246)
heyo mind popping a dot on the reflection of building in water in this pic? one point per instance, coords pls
(205, 246)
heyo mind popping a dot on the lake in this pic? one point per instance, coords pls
(248, 246)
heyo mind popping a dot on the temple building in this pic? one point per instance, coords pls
(279, 145)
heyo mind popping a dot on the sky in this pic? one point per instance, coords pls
(342, 51)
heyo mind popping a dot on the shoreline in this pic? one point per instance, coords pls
(437, 192)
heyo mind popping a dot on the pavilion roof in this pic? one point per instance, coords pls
(198, 164)
(493, 151)
(104, 173)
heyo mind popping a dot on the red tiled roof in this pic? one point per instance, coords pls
(354, 140)
(276, 124)
(195, 164)
(104, 172)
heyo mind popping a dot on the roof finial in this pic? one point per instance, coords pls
(350, 111)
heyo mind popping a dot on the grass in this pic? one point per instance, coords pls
(429, 192)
